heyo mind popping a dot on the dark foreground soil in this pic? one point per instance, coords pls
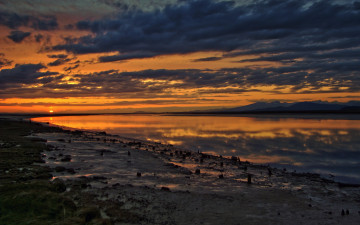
(29, 195)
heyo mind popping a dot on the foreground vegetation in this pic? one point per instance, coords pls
(27, 194)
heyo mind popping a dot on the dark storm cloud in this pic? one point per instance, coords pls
(14, 21)
(69, 68)
(58, 56)
(316, 43)
(160, 83)
(23, 74)
(18, 35)
(39, 37)
(113, 58)
(59, 62)
(234, 80)
(4, 61)
(207, 59)
(207, 25)
(118, 103)
(61, 59)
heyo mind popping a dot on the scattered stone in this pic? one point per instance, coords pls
(90, 213)
(342, 212)
(37, 139)
(60, 169)
(58, 185)
(39, 161)
(165, 189)
(171, 165)
(347, 212)
(129, 153)
(197, 171)
(98, 178)
(138, 174)
(221, 176)
(71, 171)
(67, 158)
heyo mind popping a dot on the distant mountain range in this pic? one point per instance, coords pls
(276, 106)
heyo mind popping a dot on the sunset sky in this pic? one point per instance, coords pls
(175, 55)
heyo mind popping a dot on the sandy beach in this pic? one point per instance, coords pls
(116, 180)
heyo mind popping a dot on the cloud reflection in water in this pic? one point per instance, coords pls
(326, 146)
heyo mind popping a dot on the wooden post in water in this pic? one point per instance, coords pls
(249, 179)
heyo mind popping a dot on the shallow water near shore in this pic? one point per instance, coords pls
(328, 146)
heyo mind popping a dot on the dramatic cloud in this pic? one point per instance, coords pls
(14, 21)
(113, 58)
(59, 56)
(207, 59)
(165, 83)
(263, 46)
(18, 36)
(4, 61)
(207, 25)
(59, 62)
(316, 43)
(22, 74)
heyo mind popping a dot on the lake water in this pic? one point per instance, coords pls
(321, 145)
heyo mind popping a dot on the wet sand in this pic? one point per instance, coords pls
(136, 182)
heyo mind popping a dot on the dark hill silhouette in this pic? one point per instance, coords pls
(318, 106)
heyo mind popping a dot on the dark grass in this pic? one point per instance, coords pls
(28, 195)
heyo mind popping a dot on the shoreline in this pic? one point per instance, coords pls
(179, 189)
(343, 179)
(300, 114)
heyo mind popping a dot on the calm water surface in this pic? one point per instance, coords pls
(325, 146)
